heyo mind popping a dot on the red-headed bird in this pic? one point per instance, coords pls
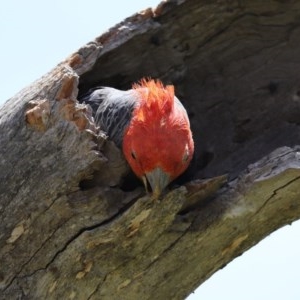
(152, 127)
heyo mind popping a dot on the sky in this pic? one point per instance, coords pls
(37, 35)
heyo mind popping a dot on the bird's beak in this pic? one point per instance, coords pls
(158, 180)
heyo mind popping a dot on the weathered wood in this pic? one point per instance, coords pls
(70, 228)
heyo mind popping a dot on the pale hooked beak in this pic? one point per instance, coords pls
(158, 180)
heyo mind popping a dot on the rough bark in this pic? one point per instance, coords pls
(235, 66)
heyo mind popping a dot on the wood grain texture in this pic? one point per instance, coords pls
(72, 228)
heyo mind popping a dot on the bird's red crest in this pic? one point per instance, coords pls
(157, 100)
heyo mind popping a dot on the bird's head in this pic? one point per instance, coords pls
(158, 143)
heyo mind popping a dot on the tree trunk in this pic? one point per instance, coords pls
(235, 66)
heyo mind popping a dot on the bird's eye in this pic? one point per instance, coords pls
(133, 155)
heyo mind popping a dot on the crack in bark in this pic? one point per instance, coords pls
(42, 245)
(33, 255)
(88, 228)
(171, 245)
(68, 242)
(99, 285)
(122, 264)
(274, 194)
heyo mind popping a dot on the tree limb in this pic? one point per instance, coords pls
(70, 229)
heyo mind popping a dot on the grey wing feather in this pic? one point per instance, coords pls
(112, 110)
